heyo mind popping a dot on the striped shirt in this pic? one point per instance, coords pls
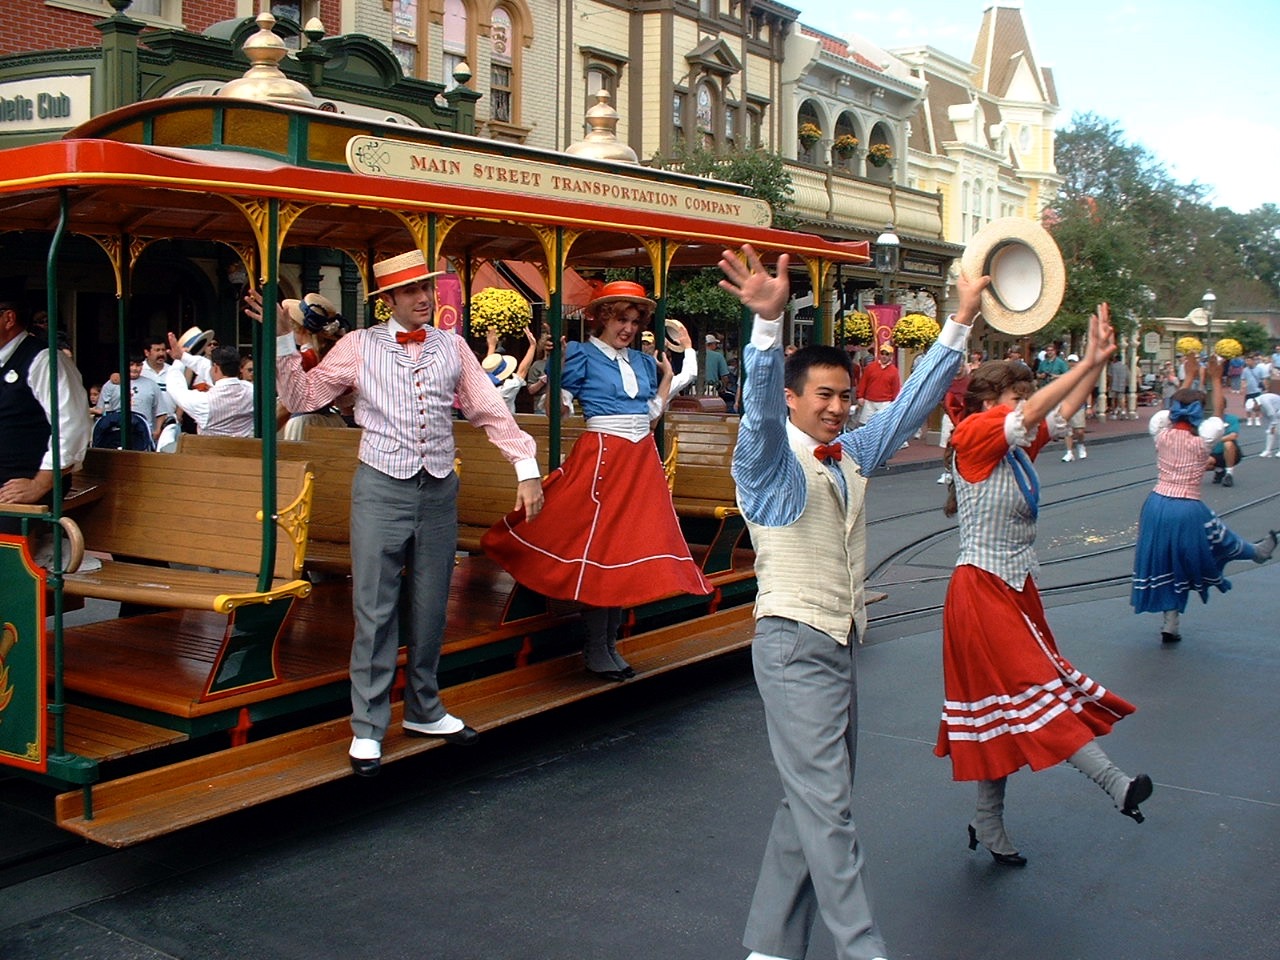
(1180, 457)
(404, 398)
(771, 482)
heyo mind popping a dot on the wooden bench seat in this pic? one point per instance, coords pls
(703, 491)
(202, 514)
(333, 453)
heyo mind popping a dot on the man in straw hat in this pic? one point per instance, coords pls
(226, 408)
(406, 374)
(801, 483)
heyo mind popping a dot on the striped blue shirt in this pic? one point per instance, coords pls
(771, 484)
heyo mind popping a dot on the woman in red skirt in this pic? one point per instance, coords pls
(607, 535)
(1012, 699)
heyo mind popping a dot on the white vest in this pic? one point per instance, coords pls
(811, 571)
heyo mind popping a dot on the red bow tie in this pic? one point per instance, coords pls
(828, 451)
(412, 336)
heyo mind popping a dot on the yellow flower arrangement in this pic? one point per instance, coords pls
(915, 331)
(856, 327)
(1227, 348)
(879, 154)
(1188, 345)
(504, 310)
(381, 312)
(845, 144)
(809, 133)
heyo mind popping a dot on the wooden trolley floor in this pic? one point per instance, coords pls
(147, 805)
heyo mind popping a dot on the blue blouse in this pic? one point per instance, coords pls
(595, 380)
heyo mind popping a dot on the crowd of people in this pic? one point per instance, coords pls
(814, 425)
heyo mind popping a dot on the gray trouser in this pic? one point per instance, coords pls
(812, 863)
(409, 525)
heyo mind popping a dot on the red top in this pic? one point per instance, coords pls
(878, 383)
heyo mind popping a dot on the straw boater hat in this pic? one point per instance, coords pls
(674, 328)
(194, 340)
(316, 314)
(1028, 277)
(499, 365)
(619, 290)
(409, 267)
(646, 336)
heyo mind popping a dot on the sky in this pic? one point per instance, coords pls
(1196, 83)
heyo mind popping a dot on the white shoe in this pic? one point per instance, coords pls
(1067, 457)
(945, 478)
(1266, 453)
(365, 749)
(436, 728)
(1084, 454)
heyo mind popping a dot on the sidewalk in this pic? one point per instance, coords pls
(919, 455)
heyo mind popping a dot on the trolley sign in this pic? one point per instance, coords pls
(1151, 342)
(22, 689)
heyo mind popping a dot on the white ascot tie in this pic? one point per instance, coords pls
(629, 383)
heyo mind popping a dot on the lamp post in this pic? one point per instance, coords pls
(888, 249)
(1208, 301)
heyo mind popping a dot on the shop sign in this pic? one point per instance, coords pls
(452, 167)
(1151, 342)
(45, 103)
(925, 267)
(22, 669)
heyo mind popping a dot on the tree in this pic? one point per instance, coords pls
(1252, 336)
(1134, 236)
(764, 173)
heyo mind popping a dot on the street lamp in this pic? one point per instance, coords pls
(888, 249)
(1209, 300)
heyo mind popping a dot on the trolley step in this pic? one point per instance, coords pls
(146, 805)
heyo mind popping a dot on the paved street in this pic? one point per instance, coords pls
(631, 827)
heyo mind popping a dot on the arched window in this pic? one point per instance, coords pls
(456, 36)
(706, 108)
(502, 68)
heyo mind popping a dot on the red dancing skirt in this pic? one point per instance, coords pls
(607, 534)
(1011, 699)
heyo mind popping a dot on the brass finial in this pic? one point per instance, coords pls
(264, 81)
(601, 141)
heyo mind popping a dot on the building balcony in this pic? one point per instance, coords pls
(849, 203)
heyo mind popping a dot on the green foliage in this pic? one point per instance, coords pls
(1252, 336)
(693, 296)
(763, 172)
(1150, 246)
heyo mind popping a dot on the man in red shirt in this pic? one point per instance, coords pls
(879, 384)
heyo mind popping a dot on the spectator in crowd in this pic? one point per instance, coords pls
(508, 376)
(539, 379)
(1253, 383)
(155, 367)
(1014, 355)
(246, 368)
(1051, 366)
(716, 368)
(1075, 440)
(879, 385)
(226, 408)
(1226, 452)
(1117, 388)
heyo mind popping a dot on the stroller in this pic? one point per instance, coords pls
(106, 432)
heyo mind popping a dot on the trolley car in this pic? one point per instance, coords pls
(239, 545)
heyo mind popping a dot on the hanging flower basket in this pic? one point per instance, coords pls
(1228, 348)
(856, 327)
(915, 331)
(504, 310)
(809, 134)
(845, 145)
(1189, 345)
(879, 154)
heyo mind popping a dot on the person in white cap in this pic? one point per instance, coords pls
(406, 374)
(1267, 405)
(716, 367)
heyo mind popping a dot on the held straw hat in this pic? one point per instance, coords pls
(1028, 277)
(395, 272)
(194, 339)
(316, 314)
(499, 365)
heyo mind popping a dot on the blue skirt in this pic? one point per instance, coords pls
(1182, 547)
